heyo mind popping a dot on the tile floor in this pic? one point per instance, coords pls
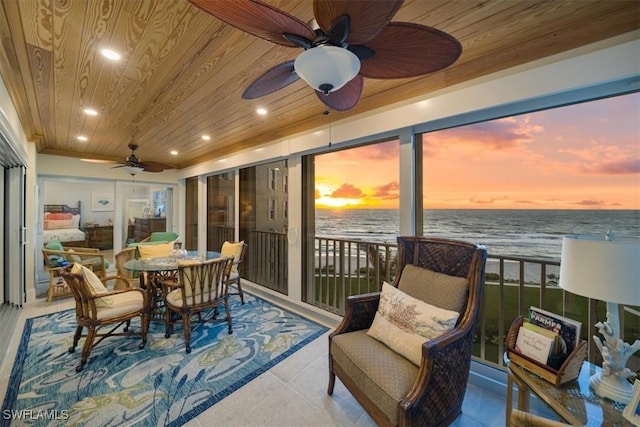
(293, 393)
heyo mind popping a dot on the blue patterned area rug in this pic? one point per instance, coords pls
(160, 385)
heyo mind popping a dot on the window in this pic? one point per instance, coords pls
(272, 178)
(220, 210)
(285, 209)
(517, 184)
(272, 209)
(262, 227)
(285, 185)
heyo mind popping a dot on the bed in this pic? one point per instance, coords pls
(62, 223)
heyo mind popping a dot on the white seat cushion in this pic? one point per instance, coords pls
(121, 303)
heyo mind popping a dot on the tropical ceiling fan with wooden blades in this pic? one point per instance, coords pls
(353, 39)
(133, 164)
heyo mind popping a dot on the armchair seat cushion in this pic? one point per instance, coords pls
(121, 304)
(374, 367)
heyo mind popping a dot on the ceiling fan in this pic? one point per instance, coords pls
(348, 40)
(133, 164)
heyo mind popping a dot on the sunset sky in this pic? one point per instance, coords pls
(584, 156)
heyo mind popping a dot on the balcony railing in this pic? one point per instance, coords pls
(512, 285)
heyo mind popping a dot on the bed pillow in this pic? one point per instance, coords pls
(76, 221)
(58, 224)
(57, 215)
(404, 323)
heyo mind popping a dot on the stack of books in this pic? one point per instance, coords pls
(547, 338)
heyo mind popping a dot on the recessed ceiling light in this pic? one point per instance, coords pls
(174, 153)
(82, 138)
(261, 111)
(90, 112)
(110, 54)
(206, 137)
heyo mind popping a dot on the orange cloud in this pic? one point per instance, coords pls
(347, 191)
(388, 191)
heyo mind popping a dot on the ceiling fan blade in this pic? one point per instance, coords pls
(154, 166)
(274, 79)
(409, 50)
(257, 18)
(344, 98)
(362, 52)
(298, 40)
(368, 18)
(119, 166)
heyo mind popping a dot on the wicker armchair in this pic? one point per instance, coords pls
(201, 288)
(96, 307)
(392, 389)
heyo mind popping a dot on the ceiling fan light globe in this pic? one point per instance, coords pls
(327, 68)
(133, 170)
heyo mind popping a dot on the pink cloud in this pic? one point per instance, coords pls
(388, 191)
(622, 167)
(347, 191)
(501, 134)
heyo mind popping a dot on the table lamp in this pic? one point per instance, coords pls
(608, 269)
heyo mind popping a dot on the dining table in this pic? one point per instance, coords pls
(153, 271)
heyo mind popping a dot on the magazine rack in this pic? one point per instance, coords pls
(569, 371)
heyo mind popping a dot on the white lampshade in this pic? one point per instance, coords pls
(133, 170)
(327, 68)
(607, 270)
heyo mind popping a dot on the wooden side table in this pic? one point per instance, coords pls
(574, 402)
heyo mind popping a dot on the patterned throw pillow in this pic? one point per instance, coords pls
(404, 323)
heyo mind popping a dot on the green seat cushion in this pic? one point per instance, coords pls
(54, 245)
(166, 236)
(155, 242)
(96, 262)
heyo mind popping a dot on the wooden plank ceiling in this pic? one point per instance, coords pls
(183, 71)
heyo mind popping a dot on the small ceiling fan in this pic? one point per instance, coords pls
(133, 164)
(347, 41)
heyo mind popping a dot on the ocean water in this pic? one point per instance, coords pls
(520, 233)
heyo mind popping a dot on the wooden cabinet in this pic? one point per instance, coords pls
(100, 237)
(145, 226)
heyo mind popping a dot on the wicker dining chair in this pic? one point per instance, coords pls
(121, 258)
(391, 388)
(200, 289)
(519, 418)
(238, 250)
(97, 307)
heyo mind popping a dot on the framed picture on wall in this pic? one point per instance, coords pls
(101, 202)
